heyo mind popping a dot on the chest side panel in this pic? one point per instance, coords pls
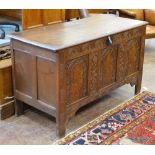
(35, 74)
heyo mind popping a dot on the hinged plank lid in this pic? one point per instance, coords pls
(59, 36)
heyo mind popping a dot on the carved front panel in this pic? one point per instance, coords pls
(95, 67)
(133, 49)
(77, 79)
(108, 66)
(128, 58)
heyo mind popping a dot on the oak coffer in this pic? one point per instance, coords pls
(62, 67)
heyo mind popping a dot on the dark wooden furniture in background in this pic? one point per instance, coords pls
(83, 13)
(3, 22)
(142, 14)
(74, 13)
(32, 18)
(76, 62)
(41, 17)
(6, 89)
(13, 13)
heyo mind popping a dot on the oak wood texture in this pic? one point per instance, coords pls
(51, 16)
(58, 76)
(31, 18)
(5, 63)
(59, 36)
(6, 89)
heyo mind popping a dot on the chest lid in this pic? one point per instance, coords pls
(63, 35)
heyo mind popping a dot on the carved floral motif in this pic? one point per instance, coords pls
(93, 72)
(77, 79)
(122, 62)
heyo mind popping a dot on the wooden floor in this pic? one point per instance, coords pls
(36, 127)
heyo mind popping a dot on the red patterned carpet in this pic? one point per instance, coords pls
(141, 134)
(131, 123)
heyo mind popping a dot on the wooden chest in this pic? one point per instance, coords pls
(62, 67)
(6, 89)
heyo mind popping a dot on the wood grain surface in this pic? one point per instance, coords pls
(60, 36)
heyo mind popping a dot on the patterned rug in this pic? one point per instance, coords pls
(133, 122)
